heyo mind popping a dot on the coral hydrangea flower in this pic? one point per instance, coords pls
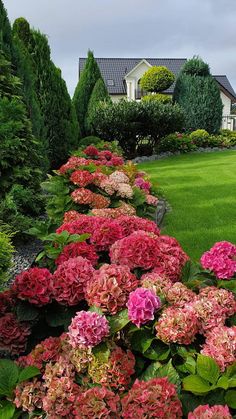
(156, 398)
(142, 305)
(177, 325)
(48, 350)
(82, 196)
(221, 346)
(70, 279)
(99, 201)
(13, 334)
(179, 295)
(221, 259)
(160, 284)
(82, 249)
(60, 397)
(109, 288)
(210, 412)
(29, 395)
(87, 329)
(34, 285)
(97, 402)
(81, 178)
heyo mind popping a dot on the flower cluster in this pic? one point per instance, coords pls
(29, 396)
(123, 209)
(87, 329)
(134, 223)
(142, 305)
(221, 345)
(210, 412)
(34, 285)
(156, 398)
(160, 284)
(70, 279)
(97, 402)
(7, 301)
(179, 295)
(177, 325)
(46, 351)
(13, 334)
(109, 288)
(81, 178)
(221, 259)
(76, 249)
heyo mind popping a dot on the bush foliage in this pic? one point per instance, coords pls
(157, 79)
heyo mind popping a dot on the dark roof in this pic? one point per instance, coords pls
(116, 69)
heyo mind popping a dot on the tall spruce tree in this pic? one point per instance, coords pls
(24, 67)
(89, 76)
(198, 93)
(99, 94)
(5, 33)
(60, 122)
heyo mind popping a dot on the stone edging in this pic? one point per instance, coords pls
(177, 153)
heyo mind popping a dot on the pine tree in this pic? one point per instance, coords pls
(24, 65)
(198, 93)
(84, 88)
(60, 122)
(5, 33)
(99, 94)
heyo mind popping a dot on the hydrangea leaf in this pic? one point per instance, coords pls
(7, 409)
(118, 321)
(27, 373)
(207, 368)
(9, 373)
(196, 384)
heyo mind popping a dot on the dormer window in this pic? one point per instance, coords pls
(110, 82)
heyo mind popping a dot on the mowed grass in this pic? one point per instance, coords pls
(201, 190)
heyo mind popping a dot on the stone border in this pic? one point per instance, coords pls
(178, 153)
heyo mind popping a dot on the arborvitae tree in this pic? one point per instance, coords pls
(60, 122)
(5, 32)
(198, 93)
(84, 88)
(99, 94)
(25, 71)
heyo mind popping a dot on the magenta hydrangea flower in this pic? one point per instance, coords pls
(142, 305)
(221, 259)
(87, 329)
(210, 412)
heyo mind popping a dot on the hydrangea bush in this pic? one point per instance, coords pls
(114, 321)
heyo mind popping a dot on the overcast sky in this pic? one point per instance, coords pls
(134, 28)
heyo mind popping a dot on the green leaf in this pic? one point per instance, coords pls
(230, 398)
(27, 373)
(118, 321)
(26, 311)
(170, 372)
(7, 409)
(78, 238)
(95, 309)
(223, 382)
(57, 315)
(196, 384)
(229, 285)
(101, 352)
(207, 368)
(189, 366)
(9, 373)
(158, 351)
(189, 271)
(150, 372)
(142, 340)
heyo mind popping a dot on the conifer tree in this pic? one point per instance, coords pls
(198, 93)
(99, 94)
(84, 88)
(5, 33)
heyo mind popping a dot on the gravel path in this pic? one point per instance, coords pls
(24, 255)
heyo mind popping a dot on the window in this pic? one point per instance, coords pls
(110, 82)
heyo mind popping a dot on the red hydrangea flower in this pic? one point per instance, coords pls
(81, 178)
(70, 279)
(7, 301)
(109, 288)
(105, 155)
(142, 305)
(221, 259)
(84, 224)
(34, 285)
(13, 334)
(134, 223)
(138, 250)
(221, 345)
(115, 161)
(46, 351)
(72, 164)
(87, 329)
(156, 398)
(91, 151)
(97, 402)
(210, 412)
(106, 233)
(177, 325)
(82, 249)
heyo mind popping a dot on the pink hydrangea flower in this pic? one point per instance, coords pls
(60, 398)
(177, 325)
(97, 402)
(160, 284)
(87, 329)
(221, 259)
(70, 279)
(29, 395)
(106, 233)
(142, 184)
(154, 398)
(134, 223)
(82, 249)
(178, 295)
(109, 287)
(210, 412)
(142, 305)
(221, 346)
(151, 200)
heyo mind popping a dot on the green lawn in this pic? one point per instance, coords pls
(201, 189)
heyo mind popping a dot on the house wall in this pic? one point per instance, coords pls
(133, 79)
(226, 103)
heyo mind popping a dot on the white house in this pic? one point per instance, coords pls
(122, 76)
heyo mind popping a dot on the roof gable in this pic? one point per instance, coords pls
(143, 61)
